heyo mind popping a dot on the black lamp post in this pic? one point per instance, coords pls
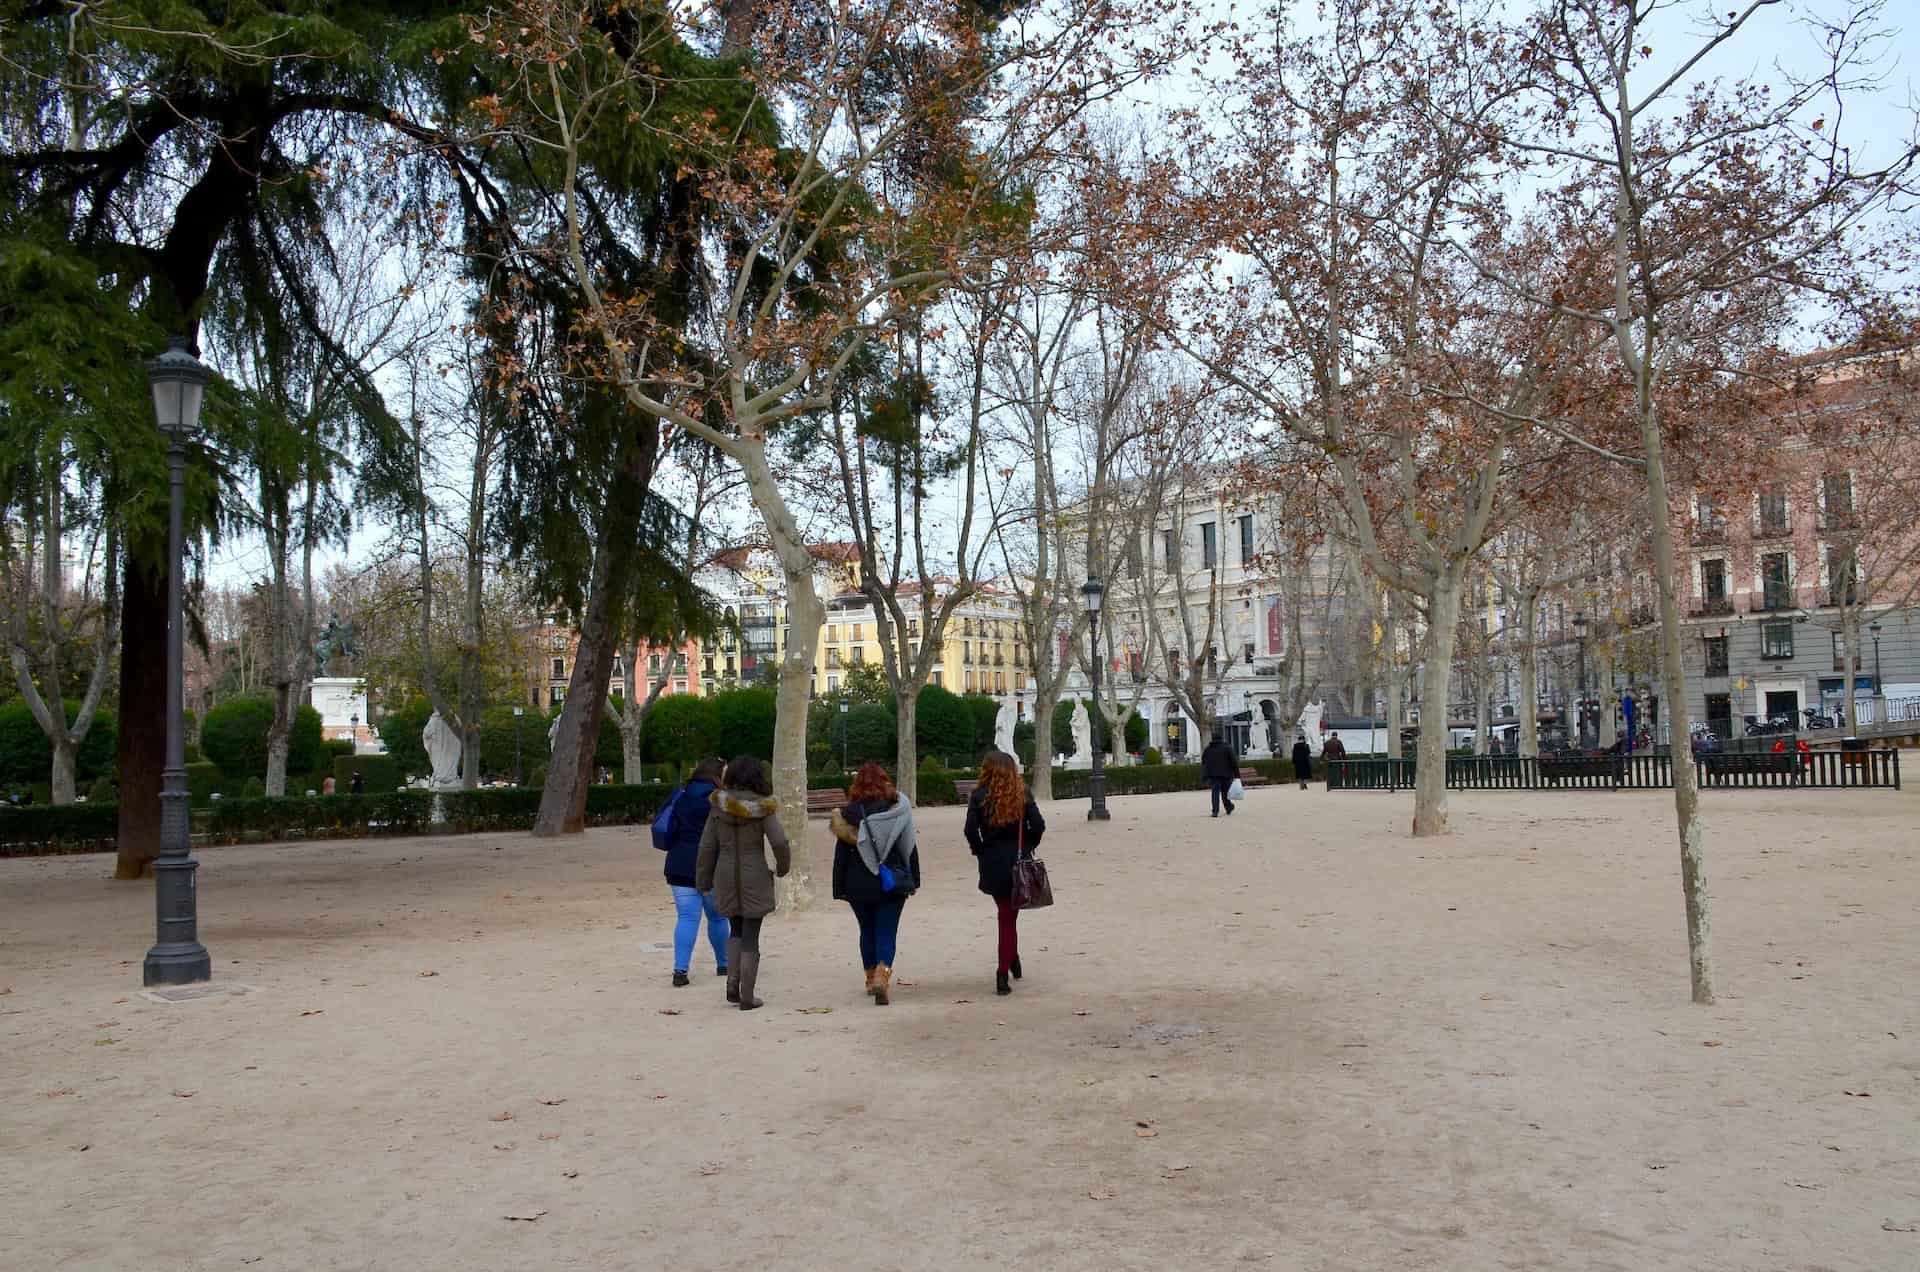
(353, 729)
(1878, 688)
(1580, 635)
(843, 735)
(1093, 591)
(517, 713)
(179, 383)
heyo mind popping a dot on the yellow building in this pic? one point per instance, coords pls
(983, 650)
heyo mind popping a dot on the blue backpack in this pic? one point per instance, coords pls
(663, 822)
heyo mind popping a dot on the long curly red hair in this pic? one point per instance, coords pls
(871, 782)
(1003, 792)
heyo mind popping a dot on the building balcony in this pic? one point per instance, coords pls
(1771, 603)
(1772, 530)
(1710, 532)
(1713, 607)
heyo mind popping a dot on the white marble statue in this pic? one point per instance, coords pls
(1310, 716)
(443, 749)
(1082, 736)
(1257, 748)
(553, 735)
(1003, 728)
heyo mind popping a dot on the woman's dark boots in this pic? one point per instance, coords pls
(733, 969)
(749, 961)
(1016, 967)
(1000, 985)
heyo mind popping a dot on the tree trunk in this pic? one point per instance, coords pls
(631, 770)
(1686, 792)
(1045, 700)
(1850, 637)
(1483, 698)
(279, 621)
(1603, 694)
(63, 764)
(142, 744)
(1430, 767)
(563, 800)
(1529, 681)
(906, 750)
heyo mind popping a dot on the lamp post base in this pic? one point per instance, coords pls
(1097, 792)
(177, 965)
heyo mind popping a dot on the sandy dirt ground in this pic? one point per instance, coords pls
(1292, 1039)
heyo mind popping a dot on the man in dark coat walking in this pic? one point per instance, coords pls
(1219, 766)
(1302, 760)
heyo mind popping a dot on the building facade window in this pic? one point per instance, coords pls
(833, 632)
(653, 664)
(1836, 499)
(1843, 578)
(559, 669)
(1776, 639)
(556, 696)
(1773, 511)
(1246, 539)
(1716, 655)
(1776, 589)
(1713, 581)
(1172, 547)
(1209, 545)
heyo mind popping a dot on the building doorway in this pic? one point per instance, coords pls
(1720, 714)
(1783, 702)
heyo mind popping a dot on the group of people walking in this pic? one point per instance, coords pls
(721, 826)
(1220, 767)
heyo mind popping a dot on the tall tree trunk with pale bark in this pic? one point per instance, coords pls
(1430, 765)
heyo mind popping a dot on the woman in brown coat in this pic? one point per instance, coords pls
(733, 866)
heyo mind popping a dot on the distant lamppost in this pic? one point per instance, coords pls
(353, 729)
(517, 713)
(1580, 635)
(1093, 591)
(179, 384)
(1878, 688)
(843, 735)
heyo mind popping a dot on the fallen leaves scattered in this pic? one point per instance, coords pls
(711, 1168)
(530, 1216)
(815, 1011)
(186, 1095)
(57, 1091)
(318, 1011)
(429, 973)
(552, 1103)
(1100, 1194)
(502, 1116)
(1911, 1225)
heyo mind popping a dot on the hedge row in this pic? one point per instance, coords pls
(93, 827)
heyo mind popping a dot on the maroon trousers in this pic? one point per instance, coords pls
(1009, 916)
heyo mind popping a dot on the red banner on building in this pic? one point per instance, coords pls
(1276, 629)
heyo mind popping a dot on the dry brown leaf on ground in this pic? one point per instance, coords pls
(529, 1216)
(506, 1147)
(549, 1135)
(712, 1168)
(1100, 1194)
(1859, 1095)
(429, 973)
(552, 1103)
(318, 1011)
(186, 1095)
(669, 1011)
(1145, 1132)
(569, 1174)
(502, 1116)
(815, 1011)
(1911, 1225)
(1713, 1042)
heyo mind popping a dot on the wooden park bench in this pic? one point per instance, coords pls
(822, 802)
(1254, 777)
(964, 786)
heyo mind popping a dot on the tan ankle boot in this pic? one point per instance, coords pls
(871, 973)
(882, 985)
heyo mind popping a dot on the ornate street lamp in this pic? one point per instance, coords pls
(1580, 634)
(517, 713)
(843, 735)
(1878, 688)
(179, 383)
(1093, 591)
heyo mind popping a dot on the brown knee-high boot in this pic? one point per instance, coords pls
(733, 969)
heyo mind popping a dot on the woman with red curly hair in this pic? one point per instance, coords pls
(1003, 825)
(876, 867)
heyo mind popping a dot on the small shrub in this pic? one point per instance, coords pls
(936, 787)
(1152, 756)
(252, 788)
(102, 791)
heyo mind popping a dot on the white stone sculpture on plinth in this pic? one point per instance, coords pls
(1003, 728)
(1310, 724)
(1082, 737)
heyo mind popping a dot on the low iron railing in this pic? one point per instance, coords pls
(1790, 768)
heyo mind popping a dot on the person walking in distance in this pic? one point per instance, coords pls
(687, 825)
(876, 867)
(1334, 749)
(1219, 766)
(1302, 760)
(1003, 824)
(732, 865)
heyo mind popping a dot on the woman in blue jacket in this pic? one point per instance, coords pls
(689, 820)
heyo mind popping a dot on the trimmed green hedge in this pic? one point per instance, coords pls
(378, 773)
(94, 827)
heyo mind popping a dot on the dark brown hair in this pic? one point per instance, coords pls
(747, 773)
(872, 782)
(1003, 793)
(711, 769)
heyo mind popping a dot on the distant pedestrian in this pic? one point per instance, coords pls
(1302, 760)
(686, 826)
(358, 786)
(732, 865)
(327, 786)
(1335, 749)
(1003, 825)
(876, 867)
(1219, 766)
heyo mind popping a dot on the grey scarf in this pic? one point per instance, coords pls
(881, 833)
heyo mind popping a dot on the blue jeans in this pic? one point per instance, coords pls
(1219, 787)
(691, 903)
(879, 929)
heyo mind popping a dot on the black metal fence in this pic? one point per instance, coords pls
(1790, 768)
(1369, 775)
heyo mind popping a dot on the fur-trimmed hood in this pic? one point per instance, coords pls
(744, 805)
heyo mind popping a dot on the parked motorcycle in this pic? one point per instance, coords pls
(1817, 721)
(1778, 723)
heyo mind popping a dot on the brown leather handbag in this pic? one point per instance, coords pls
(1032, 890)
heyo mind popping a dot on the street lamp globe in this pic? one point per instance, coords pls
(179, 383)
(1093, 590)
(1580, 624)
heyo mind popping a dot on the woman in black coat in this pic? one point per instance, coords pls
(1302, 760)
(1003, 824)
